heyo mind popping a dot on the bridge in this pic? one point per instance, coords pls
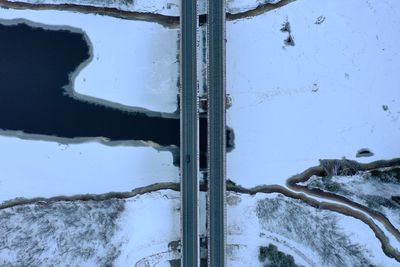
(216, 134)
(189, 135)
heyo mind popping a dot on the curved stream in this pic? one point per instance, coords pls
(344, 209)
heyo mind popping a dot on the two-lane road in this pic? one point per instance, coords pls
(216, 134)
(189, 135)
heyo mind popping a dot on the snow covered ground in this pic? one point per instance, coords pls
(150, 222)
(370, 190)
(97, 233)
(313, 237)
(132, 232)
(237, 6)
(32, 168)
(332, 93)
(60, 234)
(133, 64)
(91, 233)
(162, 7)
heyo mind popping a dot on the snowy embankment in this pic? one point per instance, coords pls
(238, 6)
(111, 232)
(317, 80)
(60, 234)
(94, 233)
(44, 169)
(314, 237)
(147, 227)
(90, 233)
(162, 7)
(379, 191)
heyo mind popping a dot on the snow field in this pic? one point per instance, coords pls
(272, 218)
(148, 224)
(45, 169)
(162, 7)
(322, 97)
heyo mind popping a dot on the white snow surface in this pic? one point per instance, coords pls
(32, 168)
(162, 7)
(134, 63)
(299, 230)
(132, 232)
(91, 233)
(322, 97)
(149, 223)
(365, 189)
(237, 6)
(60, 234)
(111, 232)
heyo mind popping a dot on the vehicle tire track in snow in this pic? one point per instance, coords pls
(293, 184)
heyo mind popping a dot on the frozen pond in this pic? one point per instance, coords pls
(37, 98)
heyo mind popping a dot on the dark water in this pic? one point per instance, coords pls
(34, 67)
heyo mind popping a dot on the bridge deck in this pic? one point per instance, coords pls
(189, 135)
(216, 133)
